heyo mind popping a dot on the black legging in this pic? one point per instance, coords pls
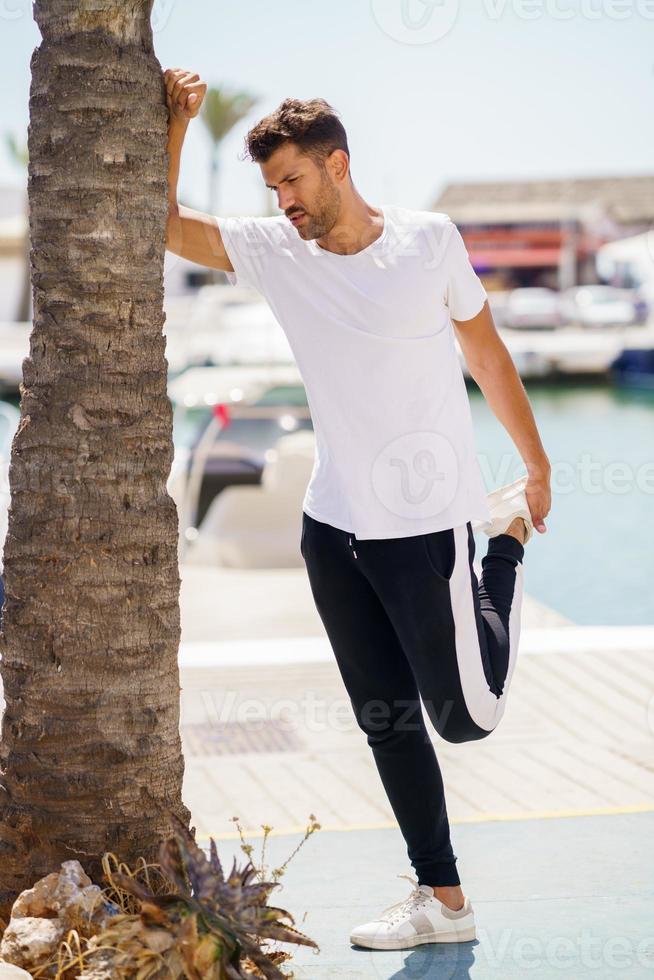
(407, 619)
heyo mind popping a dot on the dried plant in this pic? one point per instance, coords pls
(248, 849)
(184, 919)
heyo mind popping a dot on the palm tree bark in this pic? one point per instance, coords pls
(91, 756)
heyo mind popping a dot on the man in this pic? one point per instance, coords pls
(367, 297)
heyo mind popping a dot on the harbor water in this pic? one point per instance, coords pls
(595, 562)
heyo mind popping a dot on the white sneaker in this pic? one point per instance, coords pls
(420, 918)
(505, 504)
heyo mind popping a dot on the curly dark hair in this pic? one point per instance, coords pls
(312, 124)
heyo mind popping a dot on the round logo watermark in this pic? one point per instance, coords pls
(415, 21)
(416, 475)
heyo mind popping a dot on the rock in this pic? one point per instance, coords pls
(69, 894)
(30, 941)
(102, 967)
(10, 972)
(42, 915)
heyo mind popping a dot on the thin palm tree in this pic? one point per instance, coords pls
(17, 151)
(91, 755)
(221, 111)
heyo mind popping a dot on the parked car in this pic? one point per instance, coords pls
(225, 421)
(497, 300)
(532, 307)
(600, 306)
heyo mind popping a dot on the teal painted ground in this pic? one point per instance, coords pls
(595, 564)
(569, 898)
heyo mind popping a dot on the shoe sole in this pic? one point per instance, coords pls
(511, 492)
(462, 936)
(507, 492)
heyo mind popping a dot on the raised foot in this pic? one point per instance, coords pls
(517, 529)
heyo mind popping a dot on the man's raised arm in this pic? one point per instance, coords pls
(192, 234)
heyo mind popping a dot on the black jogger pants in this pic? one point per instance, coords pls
(408, 620)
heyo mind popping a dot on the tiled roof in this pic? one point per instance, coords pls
(625, 199)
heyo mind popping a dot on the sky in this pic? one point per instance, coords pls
(429, 91)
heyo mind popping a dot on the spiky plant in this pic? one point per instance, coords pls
(221, 921)
(180, 919)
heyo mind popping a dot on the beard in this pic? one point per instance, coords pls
(324, 213)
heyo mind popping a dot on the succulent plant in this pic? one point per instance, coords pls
(216, 924)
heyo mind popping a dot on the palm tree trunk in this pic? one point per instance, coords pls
(91, 755)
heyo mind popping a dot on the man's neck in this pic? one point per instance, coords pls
(358, 225)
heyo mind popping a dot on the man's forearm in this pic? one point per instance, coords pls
(176, 133)
(192, 234)
(504, 391)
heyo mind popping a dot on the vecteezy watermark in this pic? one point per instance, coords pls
(314, 713)
(15, 9)
(415, 21)
(426, 21)
(567, 9)
(586, 474)
(161, 14)
(416, 474)
(550, 954)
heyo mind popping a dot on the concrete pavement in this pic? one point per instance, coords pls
(552, 815)
(569, 898)
(274, 742)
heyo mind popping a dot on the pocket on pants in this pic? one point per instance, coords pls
(440, 549)
(304, 533)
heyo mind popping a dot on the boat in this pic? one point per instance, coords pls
(570, 350)
(634, 368)
(230, 425)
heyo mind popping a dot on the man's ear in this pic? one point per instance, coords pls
(338, 163)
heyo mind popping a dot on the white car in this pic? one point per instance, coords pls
(535, 307)
(599, 306)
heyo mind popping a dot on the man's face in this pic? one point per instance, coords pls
(307, 194)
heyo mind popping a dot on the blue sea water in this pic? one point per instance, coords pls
(595, 563)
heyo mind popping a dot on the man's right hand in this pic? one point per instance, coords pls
(192, 234)
(184, 94)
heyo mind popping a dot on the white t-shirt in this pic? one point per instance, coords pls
(373, 340)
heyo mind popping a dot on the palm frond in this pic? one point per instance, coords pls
(223, 109)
